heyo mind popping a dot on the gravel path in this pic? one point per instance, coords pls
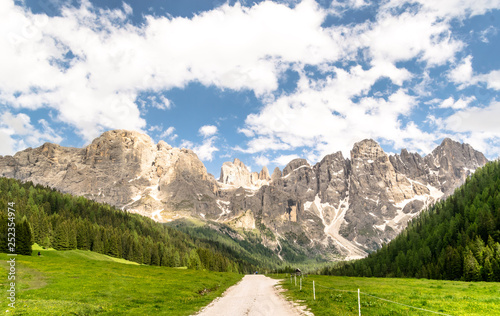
(254, 295)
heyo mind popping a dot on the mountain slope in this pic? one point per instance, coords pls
(338, 208)
(458, 238)
(65, 222)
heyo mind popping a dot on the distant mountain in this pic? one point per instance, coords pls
(338, 208)
(457, 239)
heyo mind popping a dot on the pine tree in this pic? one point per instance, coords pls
(23, 237)
(194, 260)
(177, 259)
(472, 270)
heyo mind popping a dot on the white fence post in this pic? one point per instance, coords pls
(301, 284)
(295, 277)
(314, 291)
(359, 304)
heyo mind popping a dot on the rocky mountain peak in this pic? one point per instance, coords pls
(237, 174)
(294, 164)
(239, 163)
(367, 149)
(264, 174)
(162, 145)
(276, 174)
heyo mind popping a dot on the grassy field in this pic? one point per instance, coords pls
(85, 283)
(446, 297)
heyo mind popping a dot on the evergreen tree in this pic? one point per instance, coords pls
(472, 271)
(23, 237)
(194, 260)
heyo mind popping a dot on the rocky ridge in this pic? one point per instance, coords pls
(339, 207)
(236, 174)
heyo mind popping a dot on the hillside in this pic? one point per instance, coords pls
(65, 222)
(81, 282)
(456, 239)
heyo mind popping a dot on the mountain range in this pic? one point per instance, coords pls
(340, 207)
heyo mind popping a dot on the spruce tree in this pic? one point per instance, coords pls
(472, 270)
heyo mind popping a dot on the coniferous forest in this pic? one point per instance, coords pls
(456, 239)
(64, 222)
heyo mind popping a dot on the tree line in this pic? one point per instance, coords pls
(456, 239)
(64, 222)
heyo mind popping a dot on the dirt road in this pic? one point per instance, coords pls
(255, 295)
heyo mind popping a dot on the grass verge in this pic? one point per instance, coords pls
(338, 296)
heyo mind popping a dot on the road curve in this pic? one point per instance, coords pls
(254, 295)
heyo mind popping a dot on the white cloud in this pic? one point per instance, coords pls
(485, 34)
(450, 8)
(17, 132)
(261, 160)
(492, 79)
(459, 104)
(155, 128)
(239, 48)
(476, 119)
(158, 102)
(206, 150)
(231, 47)
(207, 130)
(477, 126)
(7, 144)
(463, 73)
(409, 35)
(169, 132)
(323, 116)
(283, 160)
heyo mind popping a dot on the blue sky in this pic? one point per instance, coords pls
(262, 81)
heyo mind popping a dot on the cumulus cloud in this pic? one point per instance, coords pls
(323, 115)
(261, 160)
(459, 104)
(477, 126)
(476, 119)
(464, 75)
(283, 160)
(17, 132)
(405, 36)
(207, 130)
(92, 66)
(205, 150)
(492, 79)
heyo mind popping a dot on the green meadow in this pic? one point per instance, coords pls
(338, 296)
(80, 282)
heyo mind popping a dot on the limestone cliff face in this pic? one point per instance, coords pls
(236, 174)
(340, 207)
(122, 168)
(358, 204)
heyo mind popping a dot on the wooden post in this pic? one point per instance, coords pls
(314, 291)
(295, 277)
(301, 284)
(359, 304)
